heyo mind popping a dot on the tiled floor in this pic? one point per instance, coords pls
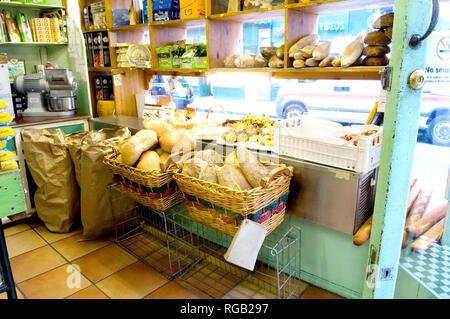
(47, 265)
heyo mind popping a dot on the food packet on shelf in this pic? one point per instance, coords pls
(2, 144)
(8, 165)
(6, 133)
(5, 119)
(6, 155)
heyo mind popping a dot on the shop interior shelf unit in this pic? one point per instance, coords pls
(276, 273)
(147, 234)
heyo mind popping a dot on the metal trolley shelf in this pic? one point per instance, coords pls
(174, 244)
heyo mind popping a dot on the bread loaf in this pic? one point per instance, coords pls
(430, 218)
(311, 39)
(429, 237)
(149, 161)
(352, 51)
(280, 52)
(209, 156)
(322, 50)
(136, 145)
(376, 61)
(307, 51)
(276, 62)
(229, 62)
(417, 209)
(268, 52)
(252, 168)
(414, 191)
(231, 176)
(209, 173)
(388, 32)
(312, 62)
(377, 38)
(193, 166)
(358, 62)
(157, 125)
(298, 64)
(177, 140)
(327, 61)
(163, 157)
(376, 50)
(336, 62)
(384, 21)
(363, 233)
(260, 62)
(299, 56)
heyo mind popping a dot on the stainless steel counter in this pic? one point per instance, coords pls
(335, 198)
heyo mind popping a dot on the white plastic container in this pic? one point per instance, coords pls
(361, 158)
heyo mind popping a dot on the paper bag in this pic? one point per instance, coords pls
(48, 160)
(73, 142)
(96, 212)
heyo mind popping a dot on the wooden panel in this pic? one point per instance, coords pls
(224, 39)
(126, 84)
(297, 24)
(135, 37)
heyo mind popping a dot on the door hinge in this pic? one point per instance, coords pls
(386, 78)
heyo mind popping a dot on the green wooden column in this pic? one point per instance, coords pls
(399, 140)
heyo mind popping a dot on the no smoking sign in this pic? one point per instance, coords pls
(443, 49)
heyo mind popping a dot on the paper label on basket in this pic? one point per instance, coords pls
(246, 244)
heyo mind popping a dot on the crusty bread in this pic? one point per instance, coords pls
(377, 38)
(384, 21)
(388, 32)
(376, 61)
(376, 50)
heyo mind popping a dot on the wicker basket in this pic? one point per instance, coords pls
(223, 208)
(154, 189)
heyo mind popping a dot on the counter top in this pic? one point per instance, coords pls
(132, 122)
(35, 120)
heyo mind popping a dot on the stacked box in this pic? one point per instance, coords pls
(165, 10)
(192, 8)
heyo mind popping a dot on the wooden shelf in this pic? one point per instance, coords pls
(137, 27)
(34, 44)
(30, 6)
(96, 30)
(181, 23)
(253, 14)
(100, 69)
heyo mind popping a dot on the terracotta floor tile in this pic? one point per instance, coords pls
(104, 262)
(90, 292)
(53, 237)
(35, 262)
(75, 247)
(54, 284)
(3, 295)
(190, 287)
(23, 242)
(313, 292)
(18, 228)
(134, 282)
(172, 290)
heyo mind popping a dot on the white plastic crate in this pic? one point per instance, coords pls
(361, 158)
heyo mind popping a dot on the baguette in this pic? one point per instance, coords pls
(405, 241)
(429, 237)
(310, 39)
(352, 51)
(413, 182)
(363, 233)
(327, 61)
(417, 209)
(430, 218)
(321, 51)
(307, 51)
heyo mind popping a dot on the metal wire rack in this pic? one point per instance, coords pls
(276, 273)
(149, 235)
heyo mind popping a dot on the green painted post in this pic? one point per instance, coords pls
(399, 140)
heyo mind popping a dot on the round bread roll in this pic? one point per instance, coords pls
(375, 50)
(177, 140)
(163, 157)
(298, 64)
(388, 32)
(149, 161)
(377, 38)
(384, 21)
(157, 125)
(376, 61)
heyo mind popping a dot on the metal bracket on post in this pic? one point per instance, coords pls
(386, 78)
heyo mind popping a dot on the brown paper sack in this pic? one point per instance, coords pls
(48, 159)
(73, 142)
(96, 212)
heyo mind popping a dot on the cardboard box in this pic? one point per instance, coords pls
(192, 8)
(200, 62)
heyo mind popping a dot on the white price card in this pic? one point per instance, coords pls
(117, 80)
(246, 244)
(382, 101)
